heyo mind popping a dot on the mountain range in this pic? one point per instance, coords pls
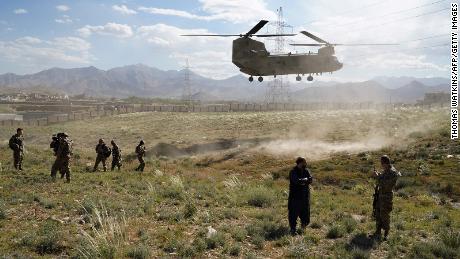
(143, 81)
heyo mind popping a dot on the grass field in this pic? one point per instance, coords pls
(229, 171)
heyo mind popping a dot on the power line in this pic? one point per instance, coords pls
(391, 13)
(427, 38)
(405, 49)
(278, 89)
(187, 91)
(351, 10)
(402, 19)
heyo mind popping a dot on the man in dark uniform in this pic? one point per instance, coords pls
(140, 152)
(65, 156)
(116, 156)
(299, 195)
(54, 145)
(386, 182)
(103, 152)
(16, 143)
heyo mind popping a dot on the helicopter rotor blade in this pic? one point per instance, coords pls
(315, 38)
(273, 35)
(237, 35)
(339, 44)
(212, 35)
(367, 44)
(256, 28)
(308, 44)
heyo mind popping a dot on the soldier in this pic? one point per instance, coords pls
(103, 152)
(116, 156)
(16, 143)
(140, 152)
(383, 204)
(299, 195)
(55, 143)
(63, 157)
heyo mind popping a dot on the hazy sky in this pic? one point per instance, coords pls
(40, 34)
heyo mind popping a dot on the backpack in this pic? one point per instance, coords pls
(54, 144)
(107, 151)
(11, 143)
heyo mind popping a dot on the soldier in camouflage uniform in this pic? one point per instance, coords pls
(102, 152)
(386, 181)
(63, 158)
(54, 145)
(140, 152)
(16, 143)
(116, 156)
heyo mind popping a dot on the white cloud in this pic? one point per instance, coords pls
(172, 12)
(110, 29)
(234, 11)
(28, 40)
(62, 8)
(71, 43)
(65, 19)
(209, 56)
(20, 11)
(123, 9)
(31, 51)
(168, 35)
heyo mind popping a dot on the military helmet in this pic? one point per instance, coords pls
(385, 159)
(141, 142)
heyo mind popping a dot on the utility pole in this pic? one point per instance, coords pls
(187, 91)
(278, 89)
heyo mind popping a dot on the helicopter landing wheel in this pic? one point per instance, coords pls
(310, 78)
(298, 78)
(260, 79)
(251, 79)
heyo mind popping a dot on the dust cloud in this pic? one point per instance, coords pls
(315, 149)
(321, 140)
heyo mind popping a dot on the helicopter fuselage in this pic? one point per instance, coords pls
(253, 59)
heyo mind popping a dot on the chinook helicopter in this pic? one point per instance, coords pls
(253, 59)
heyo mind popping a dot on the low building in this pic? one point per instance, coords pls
(10, 116)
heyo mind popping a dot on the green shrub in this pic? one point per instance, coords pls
(298, 249)
(349, 224)
(188, 251)
(403, 183)
(189, 210)
(239, 234)
(359, 254)
(451, 239)
(258, 241)
(139, 252)
(230, 213)
(335, 232)
(432, 250)
(215, 241)
(48, 239)
(172, 192)
(2, 212)
(260, 197)
(199, 244)
(315, 225)
(234, 250)
(269, 230)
